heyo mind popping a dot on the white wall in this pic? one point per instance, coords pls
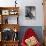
(22, 3)
(39, 13)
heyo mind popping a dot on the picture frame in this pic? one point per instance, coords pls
(30, 12)
(5, 12)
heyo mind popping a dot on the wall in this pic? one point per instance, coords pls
(39, 16)
(38, 21)
(37, 30)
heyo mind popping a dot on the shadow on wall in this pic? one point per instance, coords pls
(37, 29)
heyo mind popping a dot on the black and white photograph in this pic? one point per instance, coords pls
(30, 12)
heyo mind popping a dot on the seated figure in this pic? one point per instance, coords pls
(30, 38)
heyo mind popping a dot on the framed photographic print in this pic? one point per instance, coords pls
(30, 12)
(5, 12)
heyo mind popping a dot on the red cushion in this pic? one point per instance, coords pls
(28, 33)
